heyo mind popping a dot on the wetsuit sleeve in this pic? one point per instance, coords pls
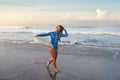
(43, 34)
(65, 34)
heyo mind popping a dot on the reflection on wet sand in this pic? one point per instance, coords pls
(52, 75)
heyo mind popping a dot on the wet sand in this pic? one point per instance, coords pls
(76, 62)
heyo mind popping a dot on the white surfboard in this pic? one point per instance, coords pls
(42, 40)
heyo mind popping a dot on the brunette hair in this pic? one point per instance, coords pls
(62, 28)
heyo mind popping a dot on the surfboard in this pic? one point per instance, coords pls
(42, 40)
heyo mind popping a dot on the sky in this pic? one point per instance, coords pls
(36, 12)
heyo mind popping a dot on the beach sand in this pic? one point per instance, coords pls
(20, 61)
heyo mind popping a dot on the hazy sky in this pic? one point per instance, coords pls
(35, 12)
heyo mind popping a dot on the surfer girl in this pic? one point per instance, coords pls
(53, 48)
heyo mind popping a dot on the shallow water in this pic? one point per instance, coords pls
(91, 35)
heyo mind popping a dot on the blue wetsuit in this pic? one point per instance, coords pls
(54, 38)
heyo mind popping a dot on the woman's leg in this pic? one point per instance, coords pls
(49, 62)
(53, 55)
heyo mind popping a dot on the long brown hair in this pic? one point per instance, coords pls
(62, 28)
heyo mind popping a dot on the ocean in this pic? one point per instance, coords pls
(90, 35)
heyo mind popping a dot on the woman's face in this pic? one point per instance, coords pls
(58, 29)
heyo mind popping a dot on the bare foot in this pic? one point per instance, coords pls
(48, 63)
(57, 70)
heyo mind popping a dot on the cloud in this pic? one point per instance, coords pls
(72, 16)
(101, 14)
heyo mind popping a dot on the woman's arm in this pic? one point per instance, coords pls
(65, 34)
(43, 34)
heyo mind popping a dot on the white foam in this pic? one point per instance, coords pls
(82, 36)
(22, 29)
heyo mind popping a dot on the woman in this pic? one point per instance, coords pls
(53, 49)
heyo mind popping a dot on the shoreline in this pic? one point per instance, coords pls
(76, 62)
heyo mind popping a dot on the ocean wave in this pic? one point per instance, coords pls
(36, 31)
(77, 36)
(96, 43)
